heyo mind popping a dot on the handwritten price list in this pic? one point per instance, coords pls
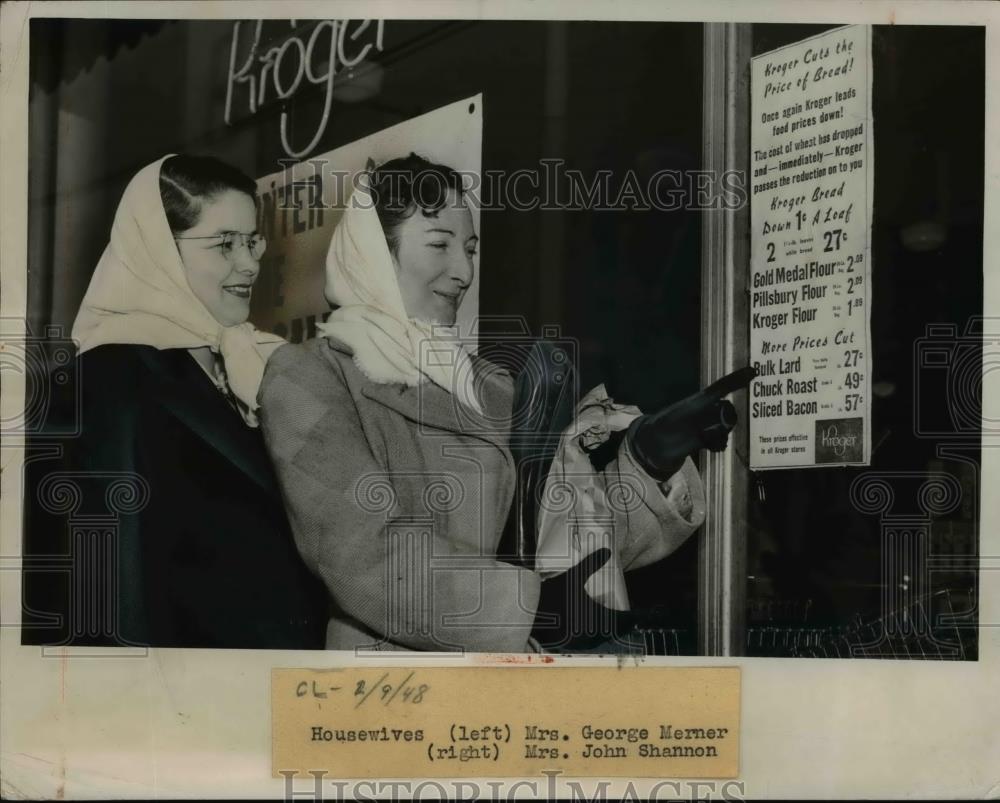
(505, 721)
(810, 273)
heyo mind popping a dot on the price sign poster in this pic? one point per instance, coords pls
(810, 272)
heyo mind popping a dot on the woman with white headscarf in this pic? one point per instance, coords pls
(169, 370)
(392, 445)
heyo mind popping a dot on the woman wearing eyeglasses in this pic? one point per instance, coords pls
(169, 369)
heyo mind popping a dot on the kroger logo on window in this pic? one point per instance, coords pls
(839, 440)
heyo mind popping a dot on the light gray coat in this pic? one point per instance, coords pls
(398, 496)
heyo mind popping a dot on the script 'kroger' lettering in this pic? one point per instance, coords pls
(269, 73)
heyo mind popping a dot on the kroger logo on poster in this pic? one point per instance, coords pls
(840, 440)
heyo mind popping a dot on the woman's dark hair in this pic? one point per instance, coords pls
(400, 186)
(188, 182)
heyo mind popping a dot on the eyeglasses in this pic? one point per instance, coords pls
(254, 243)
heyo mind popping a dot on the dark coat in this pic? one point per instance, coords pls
(187, 509)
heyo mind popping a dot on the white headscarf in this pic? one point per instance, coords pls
(139, 294)
(388, 346)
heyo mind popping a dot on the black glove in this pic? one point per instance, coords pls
(569, 618)
(660, 441)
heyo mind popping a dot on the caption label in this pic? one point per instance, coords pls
(506, 721)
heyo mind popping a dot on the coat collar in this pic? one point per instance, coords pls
(429, 405)
(181, 386)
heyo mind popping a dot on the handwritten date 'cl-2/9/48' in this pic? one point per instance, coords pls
(383, 690)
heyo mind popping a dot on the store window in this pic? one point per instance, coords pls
(880, 560)
(593, 234)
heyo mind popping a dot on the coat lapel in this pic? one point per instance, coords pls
(182, 388)
(431, 406)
